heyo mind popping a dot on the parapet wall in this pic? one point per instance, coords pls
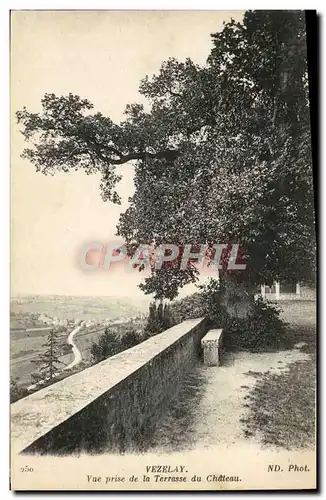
(113, 405)
(306, 293)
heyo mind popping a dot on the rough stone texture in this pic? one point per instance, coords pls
(305, 294)
(212, 346)
(111, 406)
(308, 293)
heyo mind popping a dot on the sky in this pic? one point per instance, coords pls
(101, 56)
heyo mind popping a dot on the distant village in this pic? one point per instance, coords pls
(47, 320)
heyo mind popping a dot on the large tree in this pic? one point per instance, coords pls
(222, 156)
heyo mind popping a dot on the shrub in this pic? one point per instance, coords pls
(107, 345)
(110, 344)
(129, 339)
(206, 303)
(262, 329)
(17, 392)
(160, 318)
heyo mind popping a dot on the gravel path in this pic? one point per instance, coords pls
(211, 404)
(210, 407)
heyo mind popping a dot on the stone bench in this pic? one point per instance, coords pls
(212, 346)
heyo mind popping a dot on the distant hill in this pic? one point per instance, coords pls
(79, 308)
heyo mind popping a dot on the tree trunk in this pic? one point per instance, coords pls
(237, 297)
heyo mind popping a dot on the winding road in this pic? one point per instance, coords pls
(77, 358)
(76, 352)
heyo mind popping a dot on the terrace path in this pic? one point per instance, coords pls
(212, 401)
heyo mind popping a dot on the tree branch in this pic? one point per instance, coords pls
(168, 154)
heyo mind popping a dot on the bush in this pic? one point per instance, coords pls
(17, 392)
(107, 345)
(110, 344)
(129, 339)
(159, 319)
(203, 304)
(262, 329)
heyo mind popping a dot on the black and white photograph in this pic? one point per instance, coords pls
(163, 250)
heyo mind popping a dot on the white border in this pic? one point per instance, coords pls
(162, 4)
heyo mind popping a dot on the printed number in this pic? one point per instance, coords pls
(26, 469)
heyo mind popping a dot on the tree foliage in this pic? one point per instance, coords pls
(110, 343)
(48, 360)
(17, 391)
(222, 156)
(159, 319)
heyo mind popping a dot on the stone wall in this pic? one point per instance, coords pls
(112, 406)
(306, 293)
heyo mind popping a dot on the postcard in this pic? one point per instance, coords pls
(163, 251)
